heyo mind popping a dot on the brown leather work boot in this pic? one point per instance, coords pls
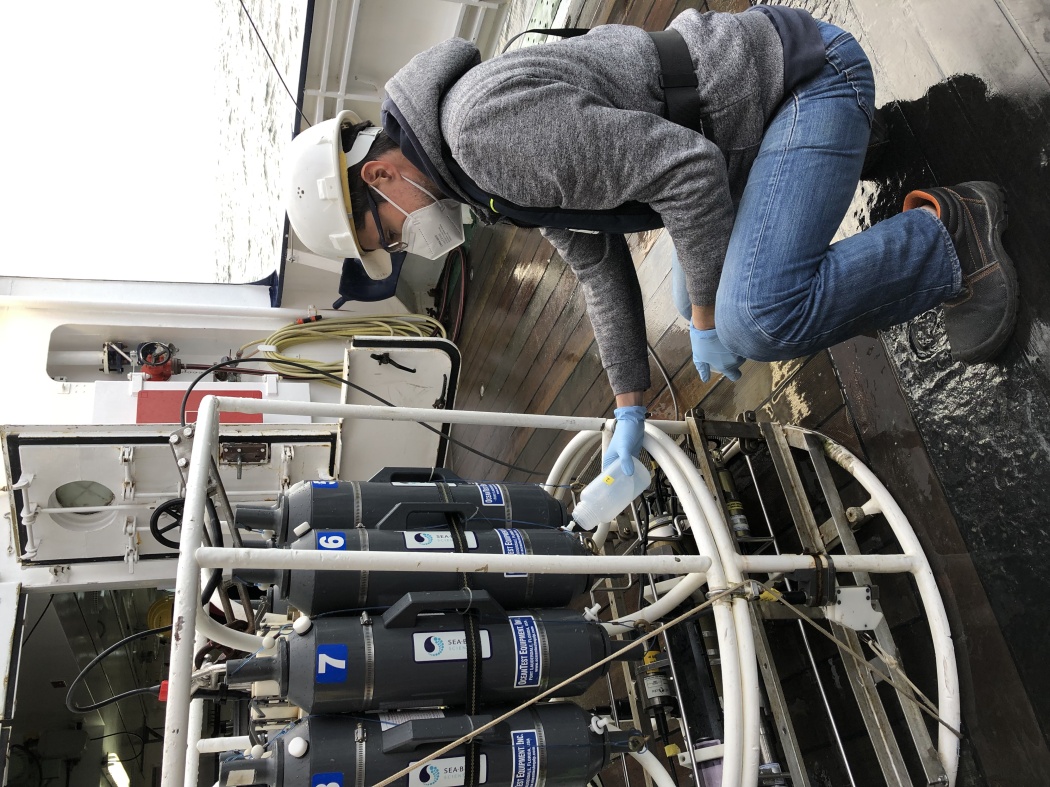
(981, 318)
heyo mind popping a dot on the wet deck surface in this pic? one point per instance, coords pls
(964, 87)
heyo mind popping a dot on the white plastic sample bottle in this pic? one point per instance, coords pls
(609, 494)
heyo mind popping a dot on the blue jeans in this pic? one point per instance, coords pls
(786, 290)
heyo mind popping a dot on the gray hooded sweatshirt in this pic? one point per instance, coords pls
(578, 124)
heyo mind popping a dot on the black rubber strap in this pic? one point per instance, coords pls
(678, 79)
(472, 630)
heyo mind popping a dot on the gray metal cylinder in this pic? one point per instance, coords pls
(321, 592)
(351, 665)
(550, 745)
(404, 505)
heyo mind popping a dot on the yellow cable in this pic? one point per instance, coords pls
(295, 335)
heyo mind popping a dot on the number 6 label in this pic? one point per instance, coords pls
(331, 540)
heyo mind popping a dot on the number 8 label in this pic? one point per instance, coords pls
(331, 541)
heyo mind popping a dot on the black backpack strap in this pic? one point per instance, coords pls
(678, 79)
(561, 32)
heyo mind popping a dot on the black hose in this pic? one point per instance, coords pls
(296, 365)
(74, 708)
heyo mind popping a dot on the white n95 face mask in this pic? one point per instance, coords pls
(432, 231)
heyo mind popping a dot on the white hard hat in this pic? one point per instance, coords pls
(319, 198)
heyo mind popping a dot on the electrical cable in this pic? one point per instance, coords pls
(142, 742)
(236, 361)
(74, 708)
(667, 379)
(338, 328)
(443, 303)
(47, 606)
(272, 63)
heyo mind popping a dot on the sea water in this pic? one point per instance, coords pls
(256, 119)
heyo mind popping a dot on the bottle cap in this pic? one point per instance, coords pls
(584, 516)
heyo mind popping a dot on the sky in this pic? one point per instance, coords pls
(108, 164)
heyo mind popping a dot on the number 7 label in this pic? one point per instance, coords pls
(331, 663)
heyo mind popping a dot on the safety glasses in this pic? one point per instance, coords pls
(391, 248)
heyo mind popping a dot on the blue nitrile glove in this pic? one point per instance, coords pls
(627, 437)
(709, 353)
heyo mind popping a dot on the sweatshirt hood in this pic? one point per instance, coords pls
(411, 113)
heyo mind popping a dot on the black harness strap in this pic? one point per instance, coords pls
(677, 75)
(682, 105)
(472, 630)
(678, 79)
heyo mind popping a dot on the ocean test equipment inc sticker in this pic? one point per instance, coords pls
(324, 484)
(491, 494)
(446, 646)
(512, 543)
(447, 772)
(526, 749)
(527, 652)
(436, 539)
(326, 780)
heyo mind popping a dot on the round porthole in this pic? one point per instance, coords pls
(82, 494)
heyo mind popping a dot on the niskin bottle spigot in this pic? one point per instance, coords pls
(609, 494)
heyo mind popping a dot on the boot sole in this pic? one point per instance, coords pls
(1000, 337)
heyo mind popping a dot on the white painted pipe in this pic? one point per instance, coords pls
(650, 763)
(196, 719)
(238, 640)
(565, 466)
(601, 533)
(661, 587)
(874, 564)
(697, 504)
(948, 702)
(654, 768)
(217, 745)
(324, 560)
(187, 600)
(75, 358)
(684, 588)
(740, 765)
(325, 410)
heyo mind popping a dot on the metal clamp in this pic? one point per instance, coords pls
(818, 583)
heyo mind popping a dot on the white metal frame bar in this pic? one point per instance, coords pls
(719, 561)
(187, 622)
(319, 560)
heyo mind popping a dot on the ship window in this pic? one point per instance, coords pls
(83, 494)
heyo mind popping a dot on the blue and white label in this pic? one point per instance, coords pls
(447, 772)
(491, 494)
(528, 655)
(326, 780)
(526, 752)
(437, 539)
(331, 540)
(446, 646)
(332, 661)
(512, 543)
(324, 484)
